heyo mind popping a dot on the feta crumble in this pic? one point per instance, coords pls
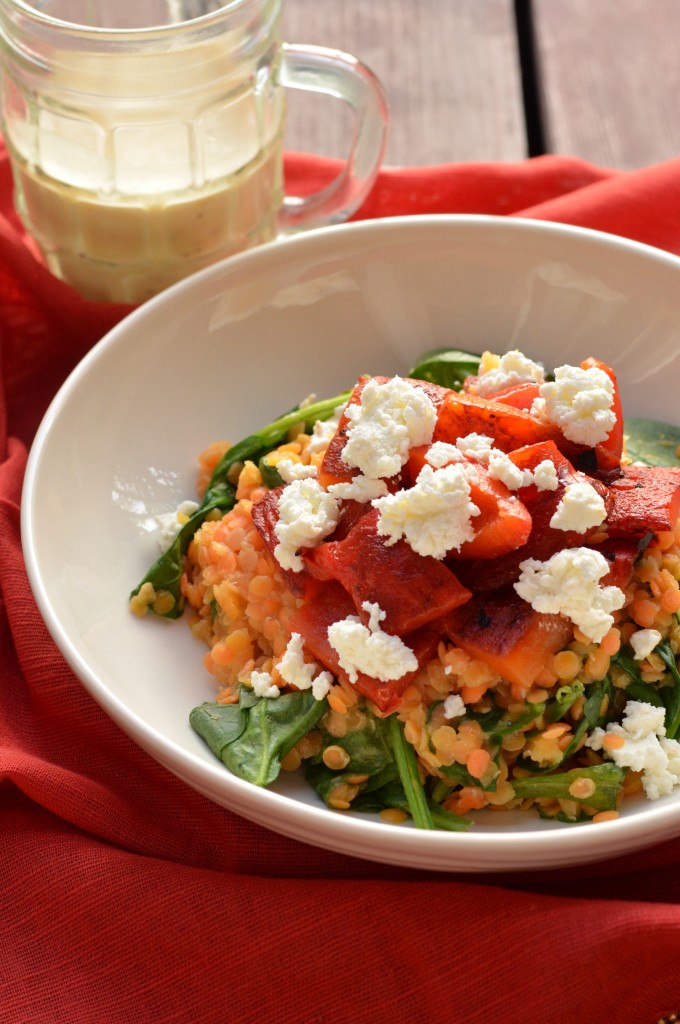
(323, 432)
(307, 514)
(454, 706)
(389, 420)
(441, 453)
(295, 670)
(568, 584)
(580, 509)
(170, 523)
(361, 488)
(434, 516)
(263, 685)
(502, 468)
(475, 446)
(513, 368)
(545, 476)
(643, 642)
(579, 402)
(645, 749)
(289, 470)
(369, 650)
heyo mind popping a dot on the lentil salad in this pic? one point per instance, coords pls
(442, 593)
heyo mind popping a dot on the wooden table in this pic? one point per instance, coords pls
(501, 80)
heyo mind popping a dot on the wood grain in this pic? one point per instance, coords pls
(610, 74)
(449, 67)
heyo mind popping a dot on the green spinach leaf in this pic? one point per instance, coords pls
(670, 695)
(652, 442)
(407, 763)
(607, 777)
(393, 795)
(253, 735)
(446, 366)
(637, 689)
(369, 748)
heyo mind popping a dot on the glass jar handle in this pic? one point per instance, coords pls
(318, 69)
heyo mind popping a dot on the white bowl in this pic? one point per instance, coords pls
(225, 352)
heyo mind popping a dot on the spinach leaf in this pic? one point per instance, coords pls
(370, 753)
(218, 724)
(369, 748)
(562, 701)
(637, 689)
(446, 366)
(324, 780)
(672, 697)
(507, 726)
(392, 795)
(607, 777)
(253, 735)
(460, 776)
(271, 477)
(592, 716)
(652, 442)
(407, 763)
(166, 571)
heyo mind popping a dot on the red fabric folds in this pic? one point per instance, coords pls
(126, 896)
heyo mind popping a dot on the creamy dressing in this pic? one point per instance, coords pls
(105, 244)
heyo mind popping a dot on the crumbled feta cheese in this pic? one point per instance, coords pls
(454, 706)
(645, 747)
(441, 453)
(580, 509)
(512, 368)
(361, 488)
(389, 420)
(568, 584)
(170, 523)
(295, 670)
(321, 685)
(579, 402)
(367, 649)
(289, 470)
(263, 685)
(502, 468)
(375, 615)
(307, 514)
(643, 642)
(434, 516)
(323, 433)
(545, 476)
(475, 446)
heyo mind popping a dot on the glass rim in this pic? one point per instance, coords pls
(49, 22)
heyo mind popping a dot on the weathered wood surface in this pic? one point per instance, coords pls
(449, 67)
(610, 79)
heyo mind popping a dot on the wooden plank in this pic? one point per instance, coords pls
(610, 79)
(450, 71)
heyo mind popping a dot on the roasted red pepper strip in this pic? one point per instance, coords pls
(504, 522)
(543, 541)
(519, 396)
(507, 634)
(411, 589)
(332, 604)
(462, 414)
(643, 498)
(621, 555)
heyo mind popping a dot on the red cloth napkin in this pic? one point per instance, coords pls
(127, 897)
